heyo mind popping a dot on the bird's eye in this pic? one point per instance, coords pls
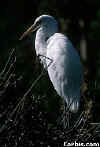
(38, 22)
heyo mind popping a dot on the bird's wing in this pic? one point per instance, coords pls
(65, 71)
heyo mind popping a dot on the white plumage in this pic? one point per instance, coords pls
(60, 59)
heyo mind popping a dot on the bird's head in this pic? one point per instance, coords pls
(43, 21)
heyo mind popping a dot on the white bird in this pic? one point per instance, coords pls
(60, 59)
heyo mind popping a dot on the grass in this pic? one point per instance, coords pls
(24, 121)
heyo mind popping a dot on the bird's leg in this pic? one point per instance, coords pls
(60, 119)
(65, 117)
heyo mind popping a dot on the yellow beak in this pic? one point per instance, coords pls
(31, 29)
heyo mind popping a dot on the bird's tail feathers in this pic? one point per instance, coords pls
(73, 104)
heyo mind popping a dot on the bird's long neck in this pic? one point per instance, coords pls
(42, 35)
(41, 42)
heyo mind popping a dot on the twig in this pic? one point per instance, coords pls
(11, 54)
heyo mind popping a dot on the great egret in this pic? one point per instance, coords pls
(61, 59)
